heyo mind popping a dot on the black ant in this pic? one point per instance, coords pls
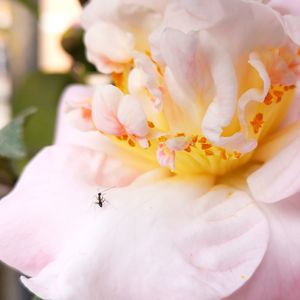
(100, 197)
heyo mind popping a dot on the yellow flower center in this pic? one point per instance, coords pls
(199, 155)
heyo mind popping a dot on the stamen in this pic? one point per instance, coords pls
(268, 99)
(205, 146)
(131, 143)
(180, 134)
(188, 149)
(223, 154)
(203, 140)
(150, 124)
(194, 140)
(162, 139)
(209, 152)
(86, 113)
(237, 155)
(257, 122)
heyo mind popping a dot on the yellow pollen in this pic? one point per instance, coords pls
(123, 137)
(162, 139)
(203, 140)
(150, 124)
(205, 146)
(257, 122)
(208, 152)
(268, 99)
(131, 143)
(237, 154)
(180, 134)
(223, 154)
(194, 140)
(188, 149)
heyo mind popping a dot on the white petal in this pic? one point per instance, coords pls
(165, 241)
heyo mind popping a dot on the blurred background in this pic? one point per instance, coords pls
(41, 52)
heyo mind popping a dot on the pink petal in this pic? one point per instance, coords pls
(168, 240)
(105, 105)
(292, 24)
(145, 77)
(76, 106)
(275, 143)
(73, 97)
(278, 276)
(278, 178)
(182, 56)
(124, 12)
(51, 201)
(230, 22)
(132, 116)
(222, 108)
(165, 156)
(108, 46)
(293, 114)
(286, 6)
(68, 133)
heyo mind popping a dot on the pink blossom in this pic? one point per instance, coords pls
(197, 148)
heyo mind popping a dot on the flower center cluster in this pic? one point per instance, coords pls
(190, 153)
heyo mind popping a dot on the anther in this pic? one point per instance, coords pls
(257, 122)
(131, 143)
(150, 124)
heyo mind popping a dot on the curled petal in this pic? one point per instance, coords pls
(279, 177)
(292, 24)
(77, 106)
(68, 133)
(105, 106)
(178, 143)
(286, 6)
(278, 275)
(132, 116)
(108, 46)
(165, 156)
(229, 23)
(145, 78)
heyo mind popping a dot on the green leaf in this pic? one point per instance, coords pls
(7, 174)
(36, 298)
(11, 137)
(42, 91)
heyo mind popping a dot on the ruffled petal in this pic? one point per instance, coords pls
(279, 177)
(125, 13)
(279, 273)
(109, 47)
(105, 106)
(51, 201)
(132, 116)
(293, 114)
(286, 6)
(69, 134)
(169, 240)
(292, 25)
(236, 33)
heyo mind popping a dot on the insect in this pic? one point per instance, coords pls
(100, 197)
